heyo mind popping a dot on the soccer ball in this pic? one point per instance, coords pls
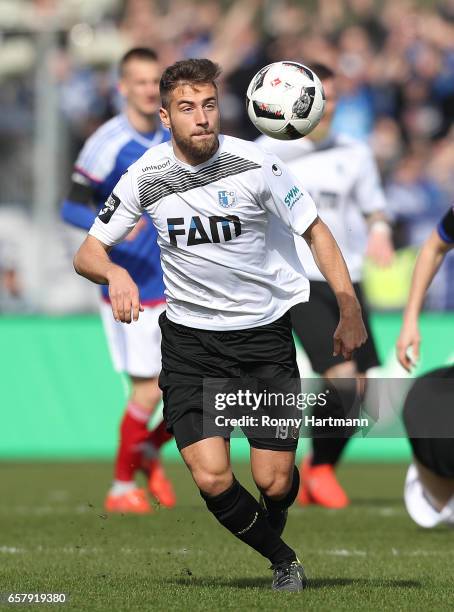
(285, 100)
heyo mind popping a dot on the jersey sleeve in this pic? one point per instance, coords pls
(446, 227)
(368, 191)
(78, 209)
(120, 213)
(286, 150)
(97, 157)
(285, 197)
(89, 172)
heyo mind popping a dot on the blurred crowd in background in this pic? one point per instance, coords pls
(395, 59)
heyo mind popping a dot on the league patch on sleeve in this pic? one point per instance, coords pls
(106, 212)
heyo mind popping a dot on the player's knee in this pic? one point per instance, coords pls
(275, 486)
(341, 370)
(213, 482)
(146, 394)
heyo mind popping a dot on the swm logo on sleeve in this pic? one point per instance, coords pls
(293, 196)
(106, 212)
(227, 199)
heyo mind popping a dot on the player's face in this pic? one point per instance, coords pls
(193, 118)
(140, 86)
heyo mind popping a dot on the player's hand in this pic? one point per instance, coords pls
(350, 334)
(407, 345)
(124, 296)
(380, 249)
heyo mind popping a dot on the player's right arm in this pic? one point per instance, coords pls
(89, 172)
(114, 221)
(93, 262)
(78, 207)
(427, 264)
(93, 165)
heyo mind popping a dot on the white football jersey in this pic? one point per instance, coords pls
(341, 175)
(225, 229)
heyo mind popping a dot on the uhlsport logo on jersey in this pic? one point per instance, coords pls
(227, 199)
(293, 196)
(159, 166)
(106, 212)
(203, 230)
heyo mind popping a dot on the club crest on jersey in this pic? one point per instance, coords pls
(106, 212)
(227, 199)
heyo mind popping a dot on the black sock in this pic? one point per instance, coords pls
(277, 505)
(327, 450)
(242, 515)
(341, 403)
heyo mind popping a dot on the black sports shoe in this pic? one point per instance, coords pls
(288, 576)
(277, 519)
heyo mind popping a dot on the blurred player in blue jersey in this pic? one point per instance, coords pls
(428, 414)
(135, 349)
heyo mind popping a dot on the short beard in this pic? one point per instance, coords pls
(197, 152)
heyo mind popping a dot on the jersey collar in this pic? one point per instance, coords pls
(141, 138)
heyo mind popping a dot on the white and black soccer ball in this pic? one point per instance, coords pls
(285, 100)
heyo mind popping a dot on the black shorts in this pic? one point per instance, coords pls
(315, 322)
(429, 420)
(190, 356)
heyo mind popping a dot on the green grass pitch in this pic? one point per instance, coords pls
(55, 537)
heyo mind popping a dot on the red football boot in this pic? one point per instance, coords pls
(324, 487)
(134, 501)
(158, 484)
(304, 497)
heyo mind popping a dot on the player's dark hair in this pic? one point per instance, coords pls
(190, 71)
(322, 71)
(140, 53)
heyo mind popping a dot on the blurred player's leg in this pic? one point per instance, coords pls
(124, 496)
(314, 323)
(158, 484)
(319, 482)
(135, 349)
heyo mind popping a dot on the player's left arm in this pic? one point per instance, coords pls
(285, 197)
(350, 333)
(380, 248)
(372, 202)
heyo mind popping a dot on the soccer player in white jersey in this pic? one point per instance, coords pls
(225, 213)
(428, 414)
(340, 174)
